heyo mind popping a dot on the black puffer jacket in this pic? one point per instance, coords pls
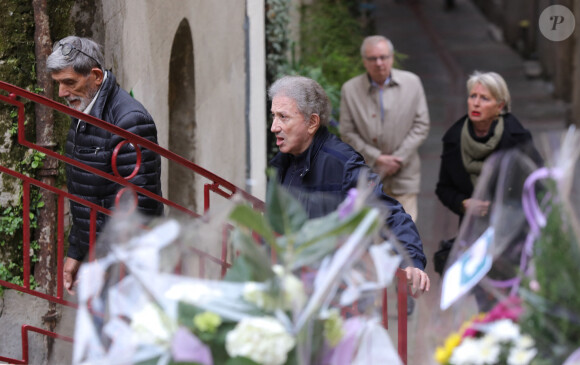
(94, 146)
(321, 177)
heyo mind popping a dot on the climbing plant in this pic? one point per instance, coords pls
(331, 32)
(18, 66)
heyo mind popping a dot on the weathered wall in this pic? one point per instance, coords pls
(17, 309)
(138, 39)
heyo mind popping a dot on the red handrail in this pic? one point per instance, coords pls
(24, 333)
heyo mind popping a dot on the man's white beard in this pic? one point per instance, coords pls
(84, 102)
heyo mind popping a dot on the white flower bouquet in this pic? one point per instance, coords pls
(520, 262)
(279, 303)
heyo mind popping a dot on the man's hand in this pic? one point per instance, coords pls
(480, 207)
(418, 281)
(388, 165)
(69, 274)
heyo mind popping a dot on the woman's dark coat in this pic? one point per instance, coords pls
(454, 183)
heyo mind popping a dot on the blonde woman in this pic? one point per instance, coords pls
(487, 127)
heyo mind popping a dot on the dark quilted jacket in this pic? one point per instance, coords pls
(94, 146)
(322, 177)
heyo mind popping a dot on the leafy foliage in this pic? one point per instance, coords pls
(286, 228)
(18, 66)
(277, 21)
(331, 32)
(552, 317)
(11, 227)
(331, 35)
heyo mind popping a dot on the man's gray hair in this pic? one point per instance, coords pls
(309, 96)
(85, 56)
(374, 39)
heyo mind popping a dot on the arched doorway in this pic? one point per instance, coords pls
(182, 122)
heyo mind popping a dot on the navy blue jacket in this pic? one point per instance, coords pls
(454, 183)
(321, 177)
(94, 146)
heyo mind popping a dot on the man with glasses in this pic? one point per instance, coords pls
(384, 116)
(76, 65)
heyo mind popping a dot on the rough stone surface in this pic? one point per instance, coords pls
(18, 309)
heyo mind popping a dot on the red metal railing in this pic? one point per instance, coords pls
(216, 185)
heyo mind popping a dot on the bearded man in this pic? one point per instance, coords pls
(76, 65)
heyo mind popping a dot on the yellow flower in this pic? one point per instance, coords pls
(453, 341)
(207, 322)
(333, 328)
(442, 354)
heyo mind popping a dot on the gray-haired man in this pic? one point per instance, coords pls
(76, 65)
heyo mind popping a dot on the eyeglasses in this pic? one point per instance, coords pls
(67, 48)
(375, 59)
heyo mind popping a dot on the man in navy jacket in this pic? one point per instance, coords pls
(319, 169)
(76, 64)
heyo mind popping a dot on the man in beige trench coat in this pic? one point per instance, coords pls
(384, 116)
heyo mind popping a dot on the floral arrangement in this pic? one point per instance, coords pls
(279, 303)
(537, 316)
(490, 338)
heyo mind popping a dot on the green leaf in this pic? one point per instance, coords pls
(247, 217)
(285, 214)
(151, 361)
(314, 253)
(328, 226)
(185, 314)
(240, 271)
(255, 255)
(240, 361)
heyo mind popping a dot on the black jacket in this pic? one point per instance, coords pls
(94, 146)
(321, 177)
(454, 183)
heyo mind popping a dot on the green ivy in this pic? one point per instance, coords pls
(11, 231)
(331, 32)
(18, 66)
(551, 317)
(277, 42)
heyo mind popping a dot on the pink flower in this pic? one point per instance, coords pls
(347, 206)
(186, 347)
(511, 308)
(470, 332)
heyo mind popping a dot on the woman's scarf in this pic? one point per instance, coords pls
(474, 153)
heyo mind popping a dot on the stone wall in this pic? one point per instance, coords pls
(138, 46)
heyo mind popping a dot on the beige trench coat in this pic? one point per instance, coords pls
(403, 130)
